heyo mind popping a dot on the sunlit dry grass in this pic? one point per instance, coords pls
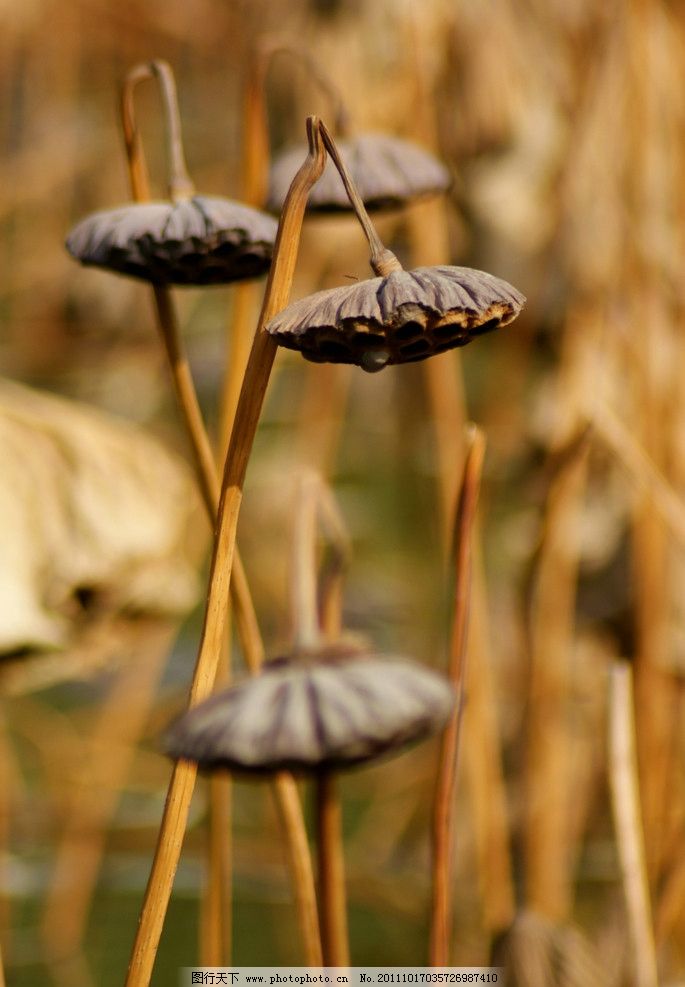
(563, 125)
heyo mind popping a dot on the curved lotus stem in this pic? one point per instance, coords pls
(261, 359)
(383, 261)
(255, 123)
(254, 181)
(179, 182)
(247, 626)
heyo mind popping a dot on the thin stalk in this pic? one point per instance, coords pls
(2, 970)
(255, 173)
(332, 897)
(483, 765)
(331, 577)
(444, 800)
(186, 396)
(255, 121)
(180, 184)
(383, 261)
(623, 777)
(307, 634)
(247, 416)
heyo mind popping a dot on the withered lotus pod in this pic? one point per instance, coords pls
(388, 172)
(404, 316)
(190, 239)
(333, 707)
(201, 240)
(399, 316)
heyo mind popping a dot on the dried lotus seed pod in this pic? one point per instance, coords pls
(200, 240)
(331, 708)
(399, 318)
(389, 172)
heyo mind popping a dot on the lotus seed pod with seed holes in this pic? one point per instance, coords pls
(202, 240)
(187, 240)
(402, 317)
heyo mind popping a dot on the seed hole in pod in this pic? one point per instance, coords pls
(333, 351)
(369, 340)
(485, 327)
(416, 348)
(374, 360)
(452, 329)
(408, 330)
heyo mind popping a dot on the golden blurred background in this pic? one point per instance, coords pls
(563, 125)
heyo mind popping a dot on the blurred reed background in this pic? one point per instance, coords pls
(564, 126)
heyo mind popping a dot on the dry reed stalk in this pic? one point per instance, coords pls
(110, 750)
(610, 430)
(656, 698)
(430, 245)
(247, 415)
(427, 222)
(483, 764)
(549, 849)
(444, 798)
(625, 792)
(550, 839)
(332, 897)
(321, 417)
(312, 620)
(215, 934)
(652, 191)
(429, 239)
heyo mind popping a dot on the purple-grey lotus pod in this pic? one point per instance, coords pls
(333, 707)
(401, 317)
(389, 172)
(200, 240)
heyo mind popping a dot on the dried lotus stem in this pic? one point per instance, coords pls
(623, 777)
(255, 170)
(250, 402)
(307, 636)
(166, 316)
(383, 261)
(255, 122)
(444, 801)
(179, 183)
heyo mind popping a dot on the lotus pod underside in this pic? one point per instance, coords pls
(405, 316)
(309, 715)
(199, 241)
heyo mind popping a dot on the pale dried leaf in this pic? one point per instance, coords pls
(97, 518)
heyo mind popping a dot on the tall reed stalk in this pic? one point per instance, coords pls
(625, 792)
(444, 799)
